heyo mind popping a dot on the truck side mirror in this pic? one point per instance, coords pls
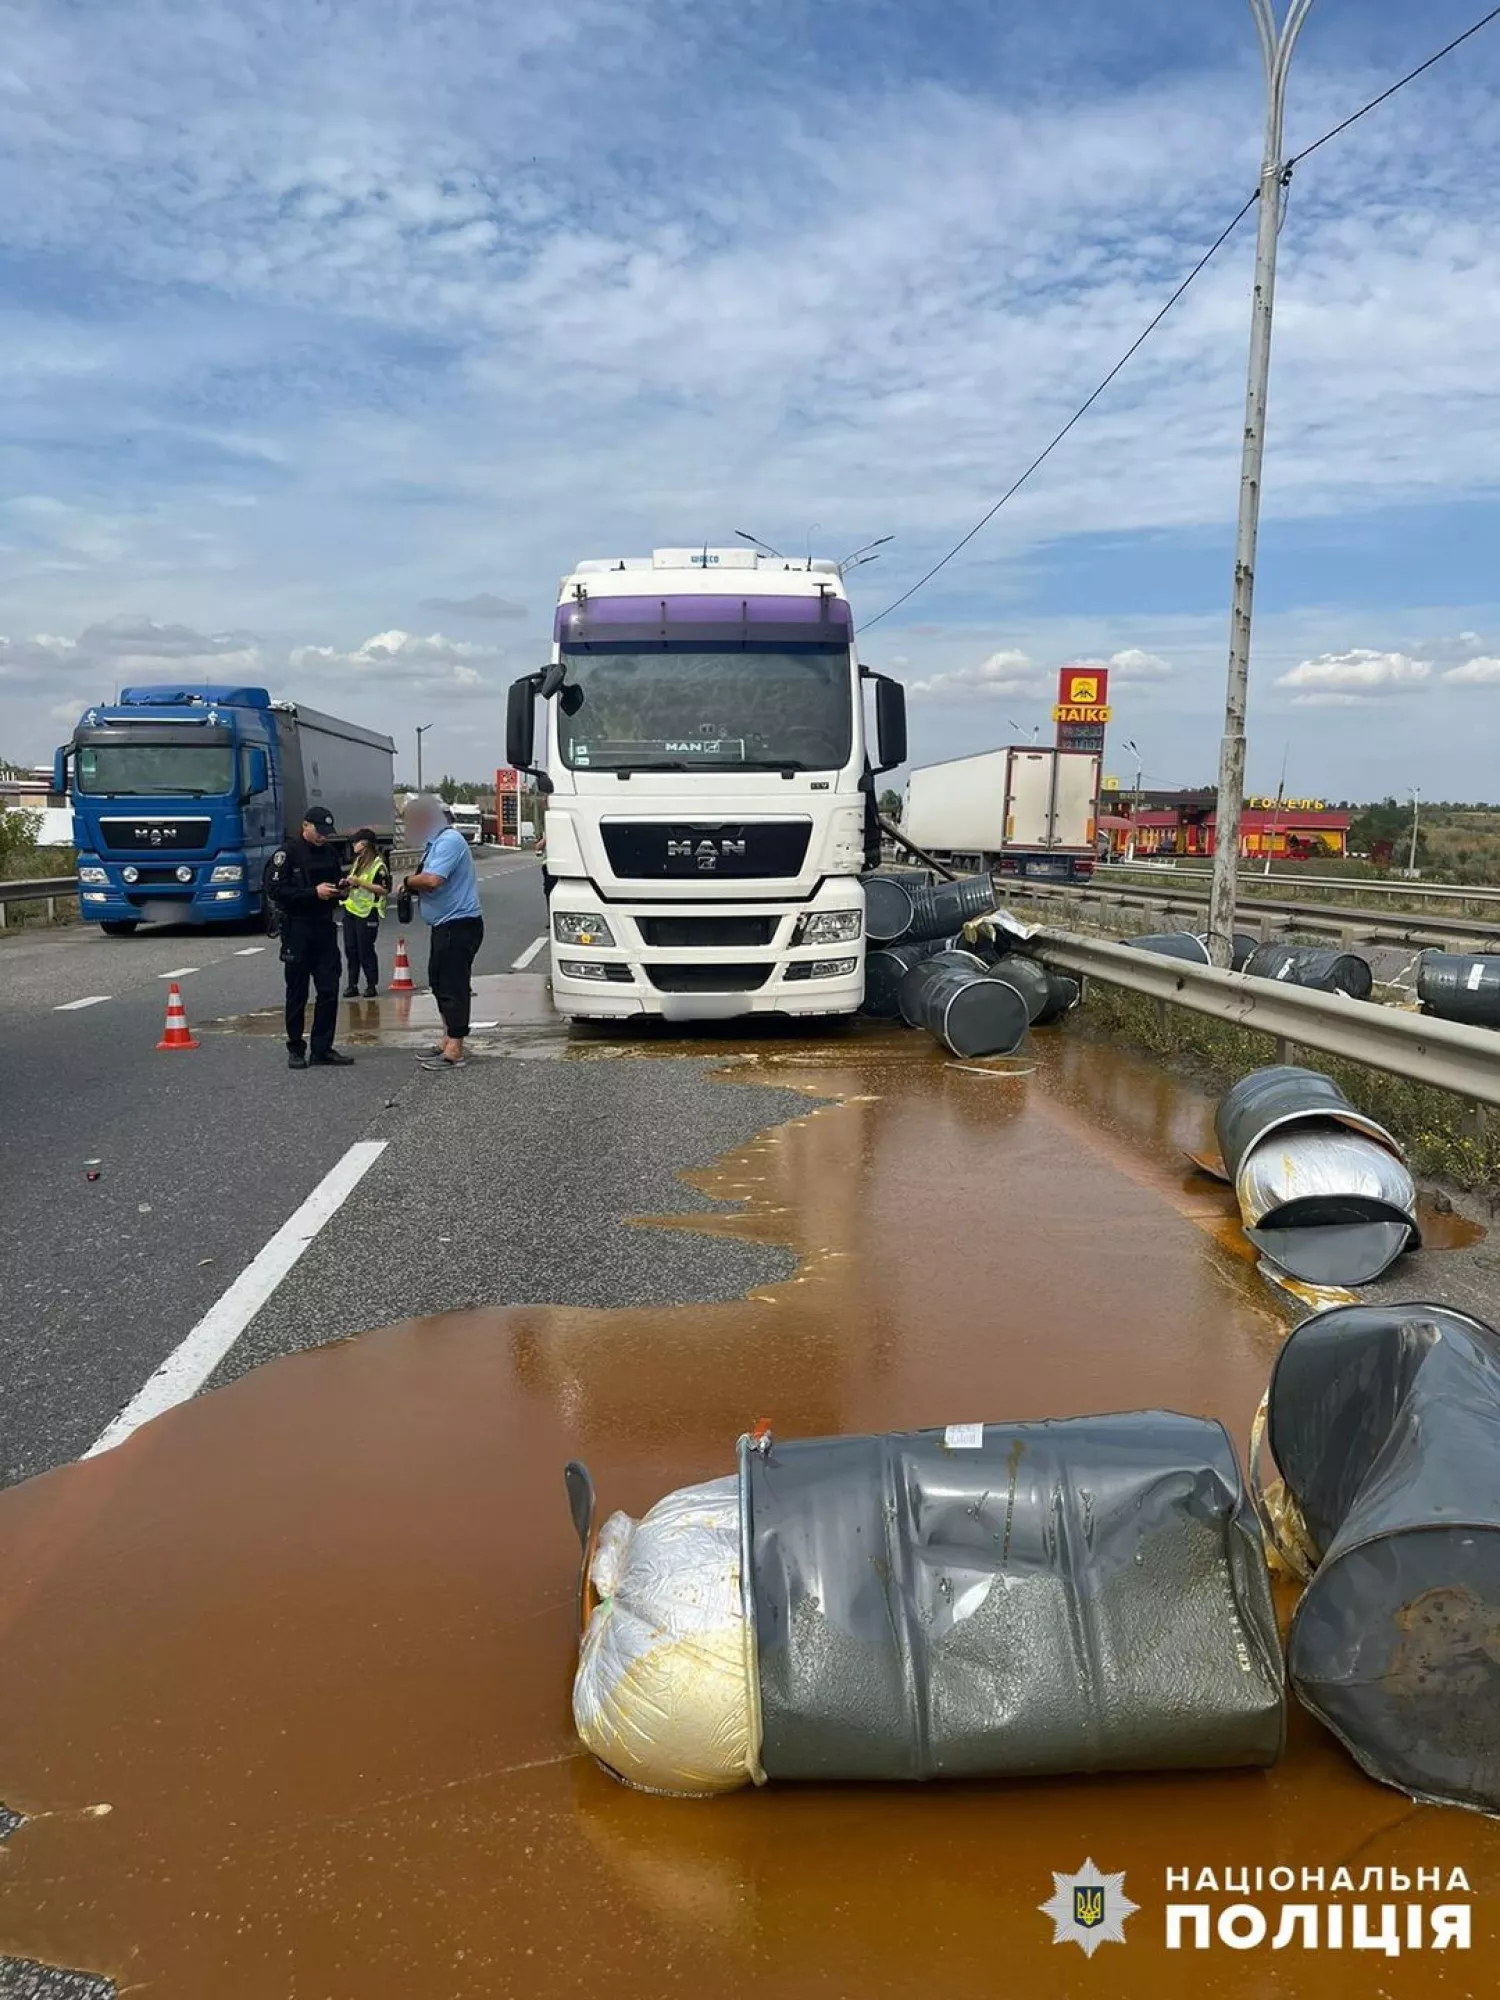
(552, 678)
(520, 723)
(60, 771)
(890, 722)
(257, 774)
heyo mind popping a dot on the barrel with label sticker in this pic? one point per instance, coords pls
(1460, 986)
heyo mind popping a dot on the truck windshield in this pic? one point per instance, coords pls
(758, 708)
(155, 770)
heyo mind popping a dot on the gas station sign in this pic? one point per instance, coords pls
(1082, 697)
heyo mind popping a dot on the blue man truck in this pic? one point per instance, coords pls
(181, 796)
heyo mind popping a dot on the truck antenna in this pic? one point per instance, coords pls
(863, 555)
(756, 542)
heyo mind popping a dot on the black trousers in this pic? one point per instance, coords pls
(311, 958)
(450, 964)
(360, 934)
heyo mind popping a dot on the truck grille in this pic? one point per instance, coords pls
(136, 836)
(713, 850)
(688, 933)
(707, 978)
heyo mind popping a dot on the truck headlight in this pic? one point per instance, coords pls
(93, 896)
(568, 927)
(229, 872)
(828, 927)
(92, 875)
(834, 968)
(130, 874)
(579, 968)
(184, 873)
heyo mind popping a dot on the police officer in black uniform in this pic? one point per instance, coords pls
(305, 883)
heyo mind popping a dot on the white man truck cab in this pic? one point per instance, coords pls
(711, 801)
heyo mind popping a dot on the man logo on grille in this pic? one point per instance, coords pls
(1088, 1909)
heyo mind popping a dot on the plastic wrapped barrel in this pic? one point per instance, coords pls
(947, 906)
(1460, 986)
(888, 908)
(990, 1599)
(972, 1011)
(1171, 944)
(1063, 994)
(886, 968)
(1242, 947)
(1385, 1424)
(1314, 966)
(1323, 1189)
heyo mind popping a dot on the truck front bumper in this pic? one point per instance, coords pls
(689, 982)
(161, 905)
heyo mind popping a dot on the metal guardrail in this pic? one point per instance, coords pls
(41, 889)
(1255, 912)
(1448, 892)
(1443, 1054)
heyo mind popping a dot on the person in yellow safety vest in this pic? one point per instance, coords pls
(363, 907)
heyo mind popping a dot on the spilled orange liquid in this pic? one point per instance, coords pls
(310, 1638)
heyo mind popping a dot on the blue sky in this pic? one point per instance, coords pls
(330, 337)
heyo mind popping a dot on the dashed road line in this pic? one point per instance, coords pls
(249, 950)
(189, 1365)
(520, 964)
(180, 972)
(91, 1000)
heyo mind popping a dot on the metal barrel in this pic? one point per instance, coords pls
(888, 909)
(947, 957)
(1171, 944)
(969, 1010)
(1063, 994)
(1031, 981)
(1312, 965)
(1385, 1425)
(1460, 986)
(937, 1604)
(1282, 1095)
(1242, 948)
(887, 967)
(948, 906)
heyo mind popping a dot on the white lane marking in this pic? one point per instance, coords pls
(249, 950)
(520, 964)
(72, 1006)
(181, 972)
(189, 1366)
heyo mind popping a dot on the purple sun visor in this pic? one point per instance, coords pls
(705, 620)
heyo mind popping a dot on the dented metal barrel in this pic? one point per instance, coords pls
(1242, 946)
(1460, 986)
(1030, 980)
(971, 1010)
(1323, 1190)
(1385, 1425)
(1021, 1599)
(947, 906)
(1063, 994)
(1312, 965)
(1171, 944)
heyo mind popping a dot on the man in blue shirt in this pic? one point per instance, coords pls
(450, 902)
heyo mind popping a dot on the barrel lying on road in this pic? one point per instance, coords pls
(1460, 986)
(972, 1011)
(1314, 966)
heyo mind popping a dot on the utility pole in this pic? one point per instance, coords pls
(1416, 796)
(1276, 43)
(422, 729)
(1135, 801)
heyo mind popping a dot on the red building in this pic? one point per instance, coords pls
(1180, 825)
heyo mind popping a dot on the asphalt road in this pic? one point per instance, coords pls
(201, 1156)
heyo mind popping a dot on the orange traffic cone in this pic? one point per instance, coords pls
(176, 1034)
(401, 979)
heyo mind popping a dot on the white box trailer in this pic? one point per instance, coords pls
(1018, 811)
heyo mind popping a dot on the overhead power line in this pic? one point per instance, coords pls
(1140, 340)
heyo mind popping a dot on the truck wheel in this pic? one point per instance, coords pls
(123, 927)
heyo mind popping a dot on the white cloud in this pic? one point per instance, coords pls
(1358, 671)
(1010, 674)
(1134, 665)
(428, 666)
(1481, 672)
(1332, 700)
